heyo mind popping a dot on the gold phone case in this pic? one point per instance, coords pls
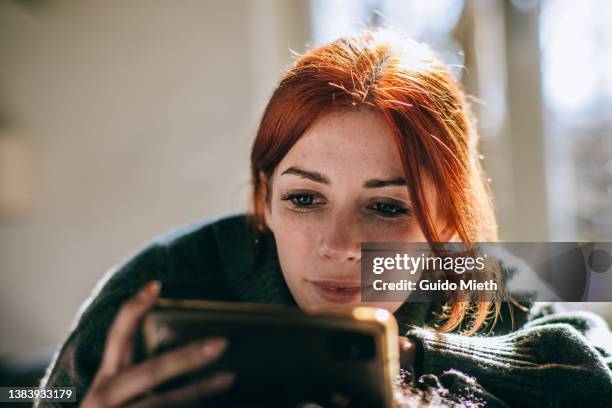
(345, 358)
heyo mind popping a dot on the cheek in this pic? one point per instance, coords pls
(295, 240)
(392, 231)
(292, 228)
(409, 233)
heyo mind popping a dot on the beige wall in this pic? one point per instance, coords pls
(139, 116)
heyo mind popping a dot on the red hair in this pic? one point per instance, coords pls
(423, 106)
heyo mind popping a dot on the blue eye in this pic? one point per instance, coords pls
(302, 199)
(389, 209)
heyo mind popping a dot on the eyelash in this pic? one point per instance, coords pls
(397, 210)
(293, 197)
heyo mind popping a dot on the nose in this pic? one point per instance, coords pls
(341, 242)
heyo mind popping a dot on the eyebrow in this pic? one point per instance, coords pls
(310, 175)
(320, 178)
(376, 183)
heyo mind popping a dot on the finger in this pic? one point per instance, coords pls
(200, 389)
(144, 377)
(118, 351)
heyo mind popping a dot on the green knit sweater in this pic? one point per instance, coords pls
(551, 359)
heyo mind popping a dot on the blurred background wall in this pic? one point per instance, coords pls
(120, 120)
(134, 117)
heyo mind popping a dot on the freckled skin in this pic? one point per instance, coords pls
(323, 240)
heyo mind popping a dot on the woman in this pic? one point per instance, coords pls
(366, 139)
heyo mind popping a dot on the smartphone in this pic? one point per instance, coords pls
(283, 356)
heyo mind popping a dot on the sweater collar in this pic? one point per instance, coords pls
(251, 262)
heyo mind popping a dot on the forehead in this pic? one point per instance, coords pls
(355, 142)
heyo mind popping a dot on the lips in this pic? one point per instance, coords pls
(336, 291)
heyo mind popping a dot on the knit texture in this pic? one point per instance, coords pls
(542, 364)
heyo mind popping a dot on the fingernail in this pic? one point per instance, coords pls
(213, 346)
(149, 291)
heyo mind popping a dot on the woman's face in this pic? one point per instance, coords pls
(341, 184)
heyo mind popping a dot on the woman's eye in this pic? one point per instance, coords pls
(389, 209)
(302, 200)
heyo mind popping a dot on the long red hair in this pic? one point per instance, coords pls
(425, 109)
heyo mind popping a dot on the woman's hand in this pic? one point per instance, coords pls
(119, 383)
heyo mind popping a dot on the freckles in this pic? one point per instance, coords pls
(299, 230)
(397, 233)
